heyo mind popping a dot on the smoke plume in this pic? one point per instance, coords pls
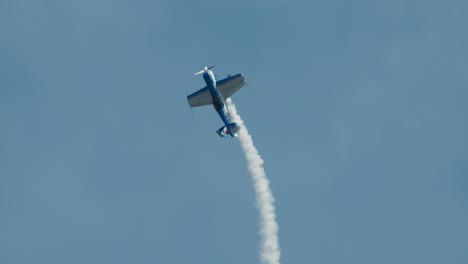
(269, 252)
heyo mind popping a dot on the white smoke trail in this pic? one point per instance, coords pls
(269, 253)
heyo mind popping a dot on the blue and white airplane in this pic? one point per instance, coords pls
(216, 93)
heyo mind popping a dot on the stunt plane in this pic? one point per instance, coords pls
(216, 93)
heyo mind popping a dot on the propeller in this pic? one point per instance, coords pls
(205, 69)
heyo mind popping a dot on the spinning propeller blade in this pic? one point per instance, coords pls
(202, 71)
(205, 70)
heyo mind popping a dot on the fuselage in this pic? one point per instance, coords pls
(218, 100)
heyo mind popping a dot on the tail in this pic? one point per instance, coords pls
(229, 130)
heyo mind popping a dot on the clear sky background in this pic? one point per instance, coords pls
(359, 109)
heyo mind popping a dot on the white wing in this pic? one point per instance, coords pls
(200, 97)
(230, 85)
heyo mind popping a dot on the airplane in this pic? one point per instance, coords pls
(216, 93)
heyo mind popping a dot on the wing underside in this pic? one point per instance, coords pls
(230, 85)
(227, 87)
(200, 97)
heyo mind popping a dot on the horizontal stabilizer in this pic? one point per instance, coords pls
(230, 130)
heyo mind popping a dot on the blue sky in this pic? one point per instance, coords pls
(358, 109)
